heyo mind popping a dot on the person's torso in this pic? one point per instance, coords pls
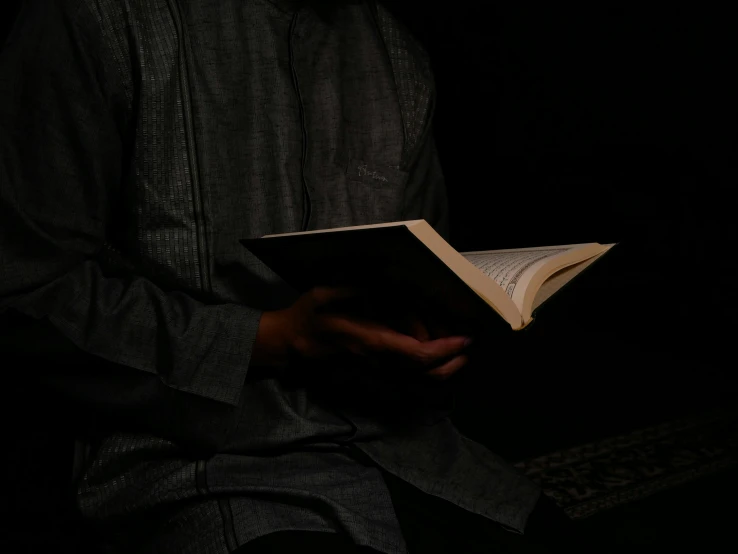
(250, 120)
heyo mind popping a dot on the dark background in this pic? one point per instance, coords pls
(561, 125)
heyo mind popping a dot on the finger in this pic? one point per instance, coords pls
(381, 339)
(369, 337)
(449, 368)
(362, 336)
(430, 352)
(313, 347)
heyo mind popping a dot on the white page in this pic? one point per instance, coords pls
(512, 269)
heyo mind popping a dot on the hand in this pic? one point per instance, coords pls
(426, 329)
(313, 330)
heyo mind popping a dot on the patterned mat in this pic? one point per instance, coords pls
(588, 479)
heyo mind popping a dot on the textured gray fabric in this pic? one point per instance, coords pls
(140, 140)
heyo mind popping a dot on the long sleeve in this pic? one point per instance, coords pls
(168, 362)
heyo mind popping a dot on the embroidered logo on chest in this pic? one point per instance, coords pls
(365, 172)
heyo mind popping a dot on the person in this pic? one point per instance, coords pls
(224, 411)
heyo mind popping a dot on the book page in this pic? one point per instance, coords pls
(511, 269)
(552, 285)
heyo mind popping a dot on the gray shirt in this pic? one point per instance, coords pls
(140, 141)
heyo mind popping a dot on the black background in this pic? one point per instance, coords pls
(561, 125)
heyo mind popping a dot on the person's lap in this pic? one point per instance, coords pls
(432, 525)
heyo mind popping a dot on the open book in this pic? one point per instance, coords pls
(411, 254)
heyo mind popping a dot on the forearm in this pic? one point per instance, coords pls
(192, 347)
(132, 355)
